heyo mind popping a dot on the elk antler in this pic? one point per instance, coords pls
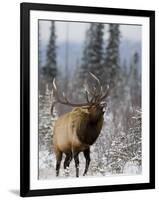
(100, 96)
(97, 97)
(66, 101)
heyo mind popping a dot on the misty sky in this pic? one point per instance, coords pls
(77, 31)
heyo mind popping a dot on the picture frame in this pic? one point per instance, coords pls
(28, 85)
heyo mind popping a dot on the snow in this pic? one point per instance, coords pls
(112, 154)
(132, 168)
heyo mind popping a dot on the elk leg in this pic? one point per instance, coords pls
(76, 159)
(87, 157)
(58, 162)
(67, 160)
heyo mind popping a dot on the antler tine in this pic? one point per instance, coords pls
(86, 94)
(101, 90)
(65, 98)
(54, 102)
(106, 93)
(97, 96)
(93, 93)
(52, 107)
(95, 77)
(54, 84)
(55, 90)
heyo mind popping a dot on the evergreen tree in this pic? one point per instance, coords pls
(113, 74)
(50, 69)
(134, 81)
(93, 51)
(111, 61)
(39, 49)
(42, 81)
(83, 70)
(125, 68)
(45, 133)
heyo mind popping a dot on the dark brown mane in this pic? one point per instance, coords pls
(86, 129)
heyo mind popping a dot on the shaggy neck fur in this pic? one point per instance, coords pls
(88, 129)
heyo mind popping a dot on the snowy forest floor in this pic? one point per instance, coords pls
(109, 155)
(47, 171)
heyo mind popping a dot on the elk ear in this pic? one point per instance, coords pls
(90, 108)
(87, 110)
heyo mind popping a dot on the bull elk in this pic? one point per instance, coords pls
(76, 131)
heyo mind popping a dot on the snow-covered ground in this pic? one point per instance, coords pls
(110, 155)
(47, 167)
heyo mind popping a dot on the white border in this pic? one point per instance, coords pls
(89, 181)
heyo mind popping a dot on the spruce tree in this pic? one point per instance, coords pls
(111, 61)
(83, 70)
(134, 81)
(50, 69)
(39, 49)
(93, 51)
